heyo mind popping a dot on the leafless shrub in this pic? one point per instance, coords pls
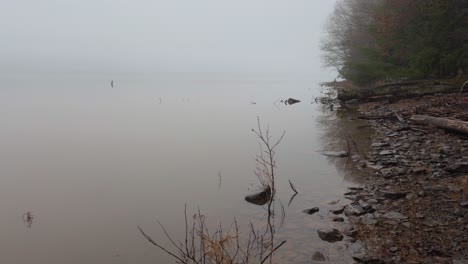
(224, 246)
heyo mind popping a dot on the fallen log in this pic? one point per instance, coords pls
(374, 117)
(454, 125)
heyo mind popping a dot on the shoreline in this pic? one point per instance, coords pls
(413, 206)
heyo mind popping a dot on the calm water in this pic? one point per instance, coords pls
(91, 162)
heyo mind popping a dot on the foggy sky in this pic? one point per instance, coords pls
(162, 36)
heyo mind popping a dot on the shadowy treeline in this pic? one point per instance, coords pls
(371, 41)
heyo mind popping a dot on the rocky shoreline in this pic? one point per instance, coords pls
(414, 205)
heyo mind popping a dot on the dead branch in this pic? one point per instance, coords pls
(292, 186)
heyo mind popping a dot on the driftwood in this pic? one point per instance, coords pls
(444, 123)
(375, 117)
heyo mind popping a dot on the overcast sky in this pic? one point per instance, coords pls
(162, 36)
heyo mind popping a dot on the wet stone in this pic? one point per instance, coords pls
(338, 211)
(318, 256)
(365, 259)
(330, 235)
(311, 210)
(338, 219)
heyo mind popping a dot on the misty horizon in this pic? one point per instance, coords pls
(149, 37)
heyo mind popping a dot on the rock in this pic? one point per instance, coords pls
(460, 167)
(393, 249)
(374, 166)
(338, 219)
(337, 154)
(464, 204)
(392, 195)
(350, 231)
(459, 212)
(394, 216)
(386, 152)
(365, 206)
(338, 211)
(419, 170)
(356, 158)
(379, 144)
(367, 220)
(318, 256)
(354, 210)
(352, 101)
(355, 188)
(435, 188)
(311, 210)
(372, 201)
(292, 101)
(365, 259)
(260, 198)
(386, 172)
(330, 235)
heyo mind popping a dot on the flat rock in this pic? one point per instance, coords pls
(338, 219)
(365, 259)
(374, 166)
(392, 195)
(460, 167)
(386, 152)
(311, 210)
(318, 256)
(464, 204)
(394, 216)
(368, 220)
(379, 144)
(338, 211)
(330, 235)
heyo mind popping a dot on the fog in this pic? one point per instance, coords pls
(154, 36)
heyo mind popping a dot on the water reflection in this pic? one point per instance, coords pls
(134, 160)
(344, 135)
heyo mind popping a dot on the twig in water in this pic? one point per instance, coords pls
(291, 199)
(219, 176)
(284, 241)
(292, 186)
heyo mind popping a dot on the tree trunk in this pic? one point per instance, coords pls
(444, 123)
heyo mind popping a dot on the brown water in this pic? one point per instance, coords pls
(91, 162)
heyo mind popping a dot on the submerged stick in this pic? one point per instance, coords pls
(292, 186)
(284, 241)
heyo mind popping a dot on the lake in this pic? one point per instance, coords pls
(91, 163)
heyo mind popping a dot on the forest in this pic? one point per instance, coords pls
(371, 42)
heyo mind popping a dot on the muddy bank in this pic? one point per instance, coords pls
(413, 207)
